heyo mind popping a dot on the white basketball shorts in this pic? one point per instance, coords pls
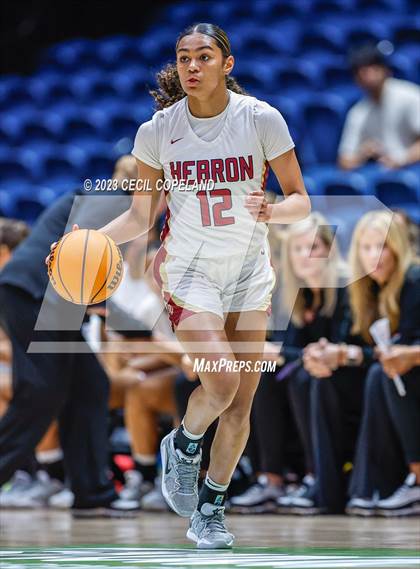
(226, 284)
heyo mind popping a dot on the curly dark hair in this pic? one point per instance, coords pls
(169, 86)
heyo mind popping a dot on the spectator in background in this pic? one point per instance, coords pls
(312, 293)
(386, 285)
(29, 489)
(12, 232)
(72, 387)
(389, 441)
(413, 230)
(385, 125)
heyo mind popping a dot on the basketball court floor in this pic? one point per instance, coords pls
(49, 540)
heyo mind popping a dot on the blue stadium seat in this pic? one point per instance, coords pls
(259, 43)
(322, 38)
(157, 47)
(14, 94)
(408, 34)
(37, 130)
(271, 10)
(184, 14)
(279, 39)
(99, 166)
(7, 202)
(10, 128)
(225, 13)
(66, 164)
(89, 89)
(366, 31)
(398, 189)
(50, 88)
(324, 120)
(85, 126)
(120, 125)
(130, 82)
(71, 56)
(291, 112)
(374, 7)
(341, 183)
(405, 67)
(329, 7)
(253, 75)
(113, 50)
(27, 202)
(296, 77)
(337, 76)
(14, 171)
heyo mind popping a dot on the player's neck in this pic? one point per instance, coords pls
(209, 107)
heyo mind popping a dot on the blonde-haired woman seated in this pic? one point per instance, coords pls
(387, 286)
(311, 303)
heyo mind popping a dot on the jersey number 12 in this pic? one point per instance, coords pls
(217, 209)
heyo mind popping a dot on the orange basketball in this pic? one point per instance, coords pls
(86, 267)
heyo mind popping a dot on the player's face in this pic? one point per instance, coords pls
(201, 65)
(375, 256)
(308, 256)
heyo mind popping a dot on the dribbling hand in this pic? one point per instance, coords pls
(54, 245)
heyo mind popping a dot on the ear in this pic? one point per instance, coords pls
(229, 64)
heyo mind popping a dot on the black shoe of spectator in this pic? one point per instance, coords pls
(119, 508)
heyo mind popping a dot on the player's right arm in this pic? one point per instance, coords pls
(140, 217)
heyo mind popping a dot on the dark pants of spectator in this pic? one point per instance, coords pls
(405, 413)
(379, 464)
(336, 410)
(299, 388)
(183, 390)
(271, 425)
(70, 387)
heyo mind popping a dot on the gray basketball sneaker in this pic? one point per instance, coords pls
(209, 531)
(179, 477)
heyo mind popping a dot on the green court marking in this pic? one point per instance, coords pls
(129, 557)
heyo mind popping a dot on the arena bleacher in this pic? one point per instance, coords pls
(82, 105)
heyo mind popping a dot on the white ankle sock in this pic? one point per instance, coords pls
(190, 435)
(215, 486)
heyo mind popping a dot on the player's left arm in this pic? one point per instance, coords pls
(295, 206)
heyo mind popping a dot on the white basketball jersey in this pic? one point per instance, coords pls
(213, 221)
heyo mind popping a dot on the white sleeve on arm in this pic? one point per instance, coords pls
(351, 137)
(413, 110)
(146, 143)
(272, 130)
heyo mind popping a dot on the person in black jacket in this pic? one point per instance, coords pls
(313, 297)
(62, 383)
(385, 285)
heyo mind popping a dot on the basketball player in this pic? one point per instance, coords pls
(214, 264)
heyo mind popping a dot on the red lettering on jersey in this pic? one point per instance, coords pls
(246, 168)
(186, 169)
(217, 170)
(176, 168)
(232, 170)
(203, 170)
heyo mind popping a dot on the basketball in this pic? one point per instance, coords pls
(86, 267)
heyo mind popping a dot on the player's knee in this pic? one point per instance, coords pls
(223, 390)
